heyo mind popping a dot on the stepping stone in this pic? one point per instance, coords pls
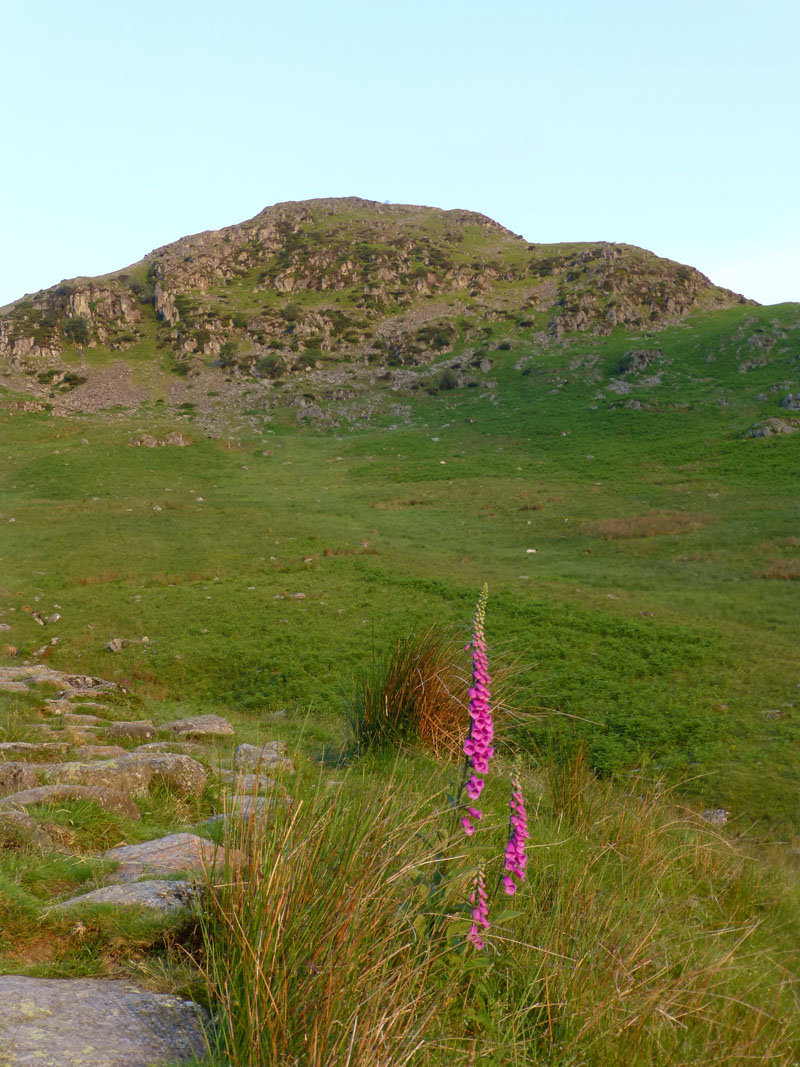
(248, 783)
(250, 807)
(103, 751)
(169, 855)
(16, 825)
(268, 756)
(124, 775)
(188, 748)
(108, 799)
(31, 749)
(16, 776)
(71, 719)
(199, 726)
(158, 895)
(181, 773)
(135, 731)
(134, 773)
(91, 1022)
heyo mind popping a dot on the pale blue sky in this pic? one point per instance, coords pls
(671, 125)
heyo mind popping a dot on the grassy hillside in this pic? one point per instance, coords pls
(656, 617)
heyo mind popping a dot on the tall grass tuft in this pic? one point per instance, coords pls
(413, 696)
(312, 951)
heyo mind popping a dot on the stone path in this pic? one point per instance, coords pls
(97, 1022)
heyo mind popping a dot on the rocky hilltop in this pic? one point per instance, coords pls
(306, 283)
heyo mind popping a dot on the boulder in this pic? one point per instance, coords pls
(19, 829)
(125, 775)
(181, 773)
(169, 855)
(131, 730)
(32, 750)
(70, 718)
(199, 726)
(158, 895)
(76, 1022)
(16, 776)
(248, 783)
(103, 751)
(108, 799)
(270, 756)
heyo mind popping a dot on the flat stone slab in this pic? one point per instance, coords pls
(108, 799)
(91, 1022)
(72, 718)
(137, 731)
(133, 773)
(103, 751)
(32, 749)
(16, 775)
(188, 748)
(269, 756)
(248, 783)
(199, 726)
(250, 807)
(39, 674)
(169, 855)
(158, 895)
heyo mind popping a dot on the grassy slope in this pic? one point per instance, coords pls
(672, 645)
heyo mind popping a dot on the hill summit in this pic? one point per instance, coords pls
(308, 282)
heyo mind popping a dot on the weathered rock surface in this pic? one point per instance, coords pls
(90, 1022)
(133, 773)
(109, 799)
(16, 776)
(103, 751)
(181, 773)
(159, 895)
(188, 748)
(168, 855)
(17, 827)
(72, 718)
(270, 756)
(199, 726)
(248, 783)
(131, 730)
(124, 775)
(39, 674)
(772, 427)
(31, 750)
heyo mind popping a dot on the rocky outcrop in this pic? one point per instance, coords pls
(302, 283)
(72, 1022)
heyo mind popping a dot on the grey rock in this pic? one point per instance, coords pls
(168, 855)
(189, 748)
(131, 730)
(771, 427)
(29, 749)
(248, 783)
(715, 816)
(72, 719)
(181, 773)
(108, 799)
(103, 751)
(791, 402)
(269, 756)
(90, 1022)
(4, 628)
(159, 895)
(116, 644)
(199, 726)
(19, 827)
(16, 776)
(125, 775)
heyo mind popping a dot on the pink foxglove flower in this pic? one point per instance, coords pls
(480, 910)
(515, 858)
(478, 744)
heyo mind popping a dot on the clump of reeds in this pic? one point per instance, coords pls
(413, 695)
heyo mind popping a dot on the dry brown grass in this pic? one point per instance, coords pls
(782, 569)
(650, 524)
